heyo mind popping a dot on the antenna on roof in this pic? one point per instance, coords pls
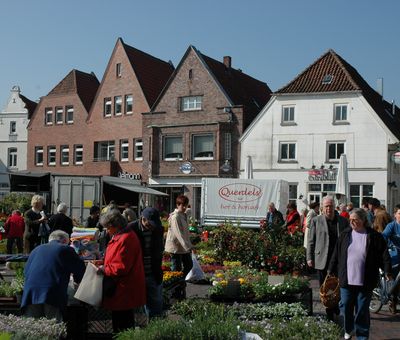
(379, 86)
(393, 108)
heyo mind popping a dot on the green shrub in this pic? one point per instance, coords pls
(15, 201)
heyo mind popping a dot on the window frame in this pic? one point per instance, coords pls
(64, 149)
(48, 111)
(106, 145)
(138, 144)
(169, 159)
(340, 121)
(118, 70)
(293, 193)
(13, 127)
(128, 112)
(328, 144)
(12, 157)
(288, 121)
(202, 158)
(124, 149)
(118, 102)
(360, 195)
(288, 159)
(107, 104)
(38, 151)
(68, 110)
(50, 150)
(183, 107)
(59, 109)
(78, 148)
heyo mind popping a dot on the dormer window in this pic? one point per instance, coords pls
(327, 79)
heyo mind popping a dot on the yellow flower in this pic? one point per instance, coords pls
(223, 283)
(242, 280)
(220, 275)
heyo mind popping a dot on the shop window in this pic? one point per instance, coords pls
(313, 187)
(173, 149)
(360, 191)
(203, 147)
(329, 187)
(51, 155)
(78, 154)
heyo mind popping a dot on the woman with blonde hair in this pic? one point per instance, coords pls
(34, 217)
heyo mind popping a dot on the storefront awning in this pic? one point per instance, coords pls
(131, 185)
(27, 181)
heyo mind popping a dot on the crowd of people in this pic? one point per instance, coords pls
(352, 244)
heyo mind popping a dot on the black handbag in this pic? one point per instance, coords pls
(109, 286)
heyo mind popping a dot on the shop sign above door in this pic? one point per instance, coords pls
(318, 175)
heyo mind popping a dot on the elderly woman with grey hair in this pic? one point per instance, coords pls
(61, 221)
(123, 283)
(130, 215)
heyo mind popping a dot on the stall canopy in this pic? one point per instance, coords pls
(131, 185)
(27, 181)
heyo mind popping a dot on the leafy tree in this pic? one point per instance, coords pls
(15, 201)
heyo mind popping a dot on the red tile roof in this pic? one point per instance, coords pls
(151, 72)
(29, 104)
(240, 87)
(345, 78)
(84, 84)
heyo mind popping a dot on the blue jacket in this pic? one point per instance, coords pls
(47, 274)
(392, 234)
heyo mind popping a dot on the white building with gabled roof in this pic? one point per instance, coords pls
(327, 110)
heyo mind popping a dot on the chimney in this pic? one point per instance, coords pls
(379, 86)
(228, 61)
(393, 108)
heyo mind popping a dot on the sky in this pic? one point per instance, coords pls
(271, 40)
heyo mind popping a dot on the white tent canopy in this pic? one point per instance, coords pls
(342, 179)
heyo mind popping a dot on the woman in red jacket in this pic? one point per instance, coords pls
(15, 227)
(124, 281)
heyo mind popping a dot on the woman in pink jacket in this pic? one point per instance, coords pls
(124, 284)
(178, 238)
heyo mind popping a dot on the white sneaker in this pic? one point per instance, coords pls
(347, 336)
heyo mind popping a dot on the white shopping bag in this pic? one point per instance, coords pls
(90, 289)
(196, 273)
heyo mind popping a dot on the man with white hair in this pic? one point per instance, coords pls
(47, 274)
(323, 234)
(61, 221)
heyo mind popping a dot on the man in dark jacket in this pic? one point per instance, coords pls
(150, 232)
(47, 274)
(61, 221)
(274, 216)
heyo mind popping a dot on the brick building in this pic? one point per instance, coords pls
(193, 128)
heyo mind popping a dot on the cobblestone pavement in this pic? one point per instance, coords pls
(384, 325)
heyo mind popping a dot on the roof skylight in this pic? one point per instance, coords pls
(328, 78)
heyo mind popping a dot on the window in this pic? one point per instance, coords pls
(191, 103)
(12, 157)
(138, 155)
(64, 155)
(228, 145)
(293, 193)
(118, 70)
(107, 107)
(288, 115)
(173, 148)
(314, 187)
(78, 154)
(335, 149)
(340, 113)
(59, 115)
(190, 74)
(69, 117)
(203, 147)
(48, 116)
(358, 192)
(124, 150)
(51, 155)
(327, 79)
(38, 155)
(128, 103)
(329, 187)
(104, 151)
(287, 152)
(118, 105)
(13, 128)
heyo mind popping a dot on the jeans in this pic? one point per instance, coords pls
(355, 309)
(178, 259)
(154, 292)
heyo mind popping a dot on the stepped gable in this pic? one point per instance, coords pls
(344, 78)
(151, 72)
(84, 84)
(240, 87)
(29, 104)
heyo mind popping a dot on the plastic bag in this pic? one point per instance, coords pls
(90, 289)
(196, 273)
